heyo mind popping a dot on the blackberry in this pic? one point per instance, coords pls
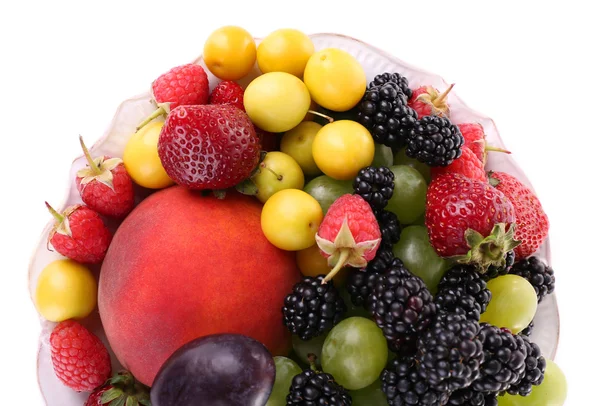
(470, 397)
(402, 385)
(504, 359)
(527, 330)
(535, 367)
(401, 306)
(310, 388)
(450, 353)
(390, 227)
(385, 113)
(540, 275)
(360, 283)
(463, 290)
(375, 185)
(396, 78)
(495, 271)
(312, 308)
(435, 141)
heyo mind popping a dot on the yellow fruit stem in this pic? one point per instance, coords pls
(158, 112)
(54, 213)
(438, 101)
(344, 254)
(325, 116)
(88, 157)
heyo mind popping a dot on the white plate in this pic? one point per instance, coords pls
(132, 111)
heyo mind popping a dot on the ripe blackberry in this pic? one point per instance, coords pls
(527, 330)
(450, 353)
(310, 388)
(504, 359)
(401, 306)
(495, 271)
(463, 290)
(396, 78)
(390, 227)
(535, 367)
(435, 141)
(540, 275)
(312, 308)
(385, 113)
(375, 185)
(360, 283)
(470, 397)
(402, 385)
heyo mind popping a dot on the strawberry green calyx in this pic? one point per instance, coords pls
(344, 250)
(62, 220)
(437, 101)
(99, 169)
(491, 250)
(124, 390)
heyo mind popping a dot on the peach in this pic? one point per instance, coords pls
(182, 266)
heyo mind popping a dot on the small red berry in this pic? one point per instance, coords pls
(467, 164)
(228, 92)
(120, 389)
(474, 139)
(428, 101)
(80, 359)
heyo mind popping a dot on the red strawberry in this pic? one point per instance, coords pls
(79, 234)
(105, 185)
(208, 147)
(475, 140)
(268, 141)
(79, 358)
(182, 85)
(121, 389)
(467, 164)
(427, 101)
(532, 221)
(228, 92)
(470, 220)
(349, 234)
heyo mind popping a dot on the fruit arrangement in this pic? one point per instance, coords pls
(285, 225)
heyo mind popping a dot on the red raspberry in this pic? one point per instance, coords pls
(349, 234)
(105, 185)
(475, 140)
(228, 92)
(79, 234)
(427, 101)
(79, 358)
(468, 164)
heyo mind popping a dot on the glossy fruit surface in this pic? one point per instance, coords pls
(285, 50)
(383, 156)
(402, 159)
(369, 396)
(65, 290)
(276, 101)
(298, 144)
(326, 190)
(278, 171)
(355, 352)
(290, 219)
(335, 79)
(313, 346)
(230, 53)
(551, 392)
(420, 257)
(286, 369)
(342, 148)
(141, 158)
(228, 369)
(513, 303)
(410, 189)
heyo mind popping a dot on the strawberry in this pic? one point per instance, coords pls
(79, 358)
(208, 147)
(475, 140)
(469, 220)
(228, 92)
(349, 234)
(121, 389)
(467, 164)
(79, 234)
(268, 141)
(105, 186)
(532, 221)
(182, 85)
(427, 101)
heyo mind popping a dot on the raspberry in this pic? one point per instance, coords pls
(182, 85)
(428, 101)
(228, 92)
(467, 165)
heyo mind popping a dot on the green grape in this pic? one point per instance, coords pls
(419, 256)
(326, 190)
(313, 346)
(285, 370)
(383, 156)
(410, 189)
(513, 303)
(353, 311)
(355, 352)
(401, 159)
(551, 392)
(369, 396)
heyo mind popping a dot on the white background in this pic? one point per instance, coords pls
(65, 66)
